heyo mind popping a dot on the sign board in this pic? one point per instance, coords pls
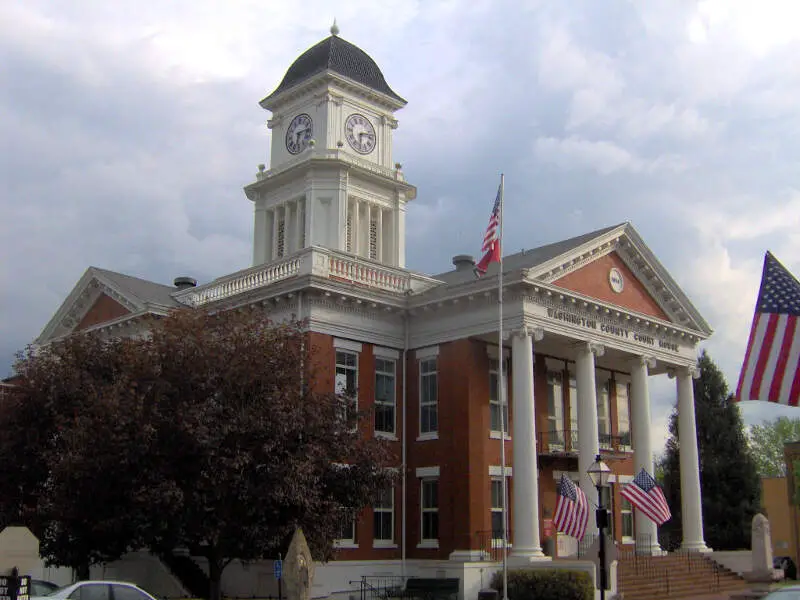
(277, 568)
(15, 588)
(548, 528)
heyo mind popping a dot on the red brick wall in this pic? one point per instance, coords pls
(105, 308)
(323, 369)
(592, 280)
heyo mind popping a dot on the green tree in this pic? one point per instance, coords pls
(728, 477)
(767, 441)
(208, 434)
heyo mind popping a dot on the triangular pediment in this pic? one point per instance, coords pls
(102, 297)
(616, 267)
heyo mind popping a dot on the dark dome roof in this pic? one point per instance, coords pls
(338, 55)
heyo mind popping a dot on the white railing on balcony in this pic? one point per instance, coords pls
(355, 271)
(319, 262)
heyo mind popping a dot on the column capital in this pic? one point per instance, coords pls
(537, 333)
(597, 349)
(692, 370)
(640, 361)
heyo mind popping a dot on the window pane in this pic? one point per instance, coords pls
(497, 525)
(124, 592)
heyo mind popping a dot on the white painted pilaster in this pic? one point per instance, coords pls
(356, 233)
(379, 233)
(527, 545)
(588, 440)
(260, 233)
(400, 232)
(691, 501)
(276, 216)
(645, 529)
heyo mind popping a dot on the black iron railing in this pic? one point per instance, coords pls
(490, 544)
(565, 442)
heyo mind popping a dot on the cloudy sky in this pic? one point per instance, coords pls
(129, 128)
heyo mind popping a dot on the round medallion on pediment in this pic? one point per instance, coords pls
(615, 280)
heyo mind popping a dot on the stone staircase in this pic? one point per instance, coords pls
(675, 575)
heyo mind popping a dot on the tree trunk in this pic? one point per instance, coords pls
(215, 568)
(82, 572)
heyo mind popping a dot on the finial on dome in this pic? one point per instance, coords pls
(334, 28)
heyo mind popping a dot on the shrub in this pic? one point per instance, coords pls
(545, 584)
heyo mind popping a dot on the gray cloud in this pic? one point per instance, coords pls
(130, 131)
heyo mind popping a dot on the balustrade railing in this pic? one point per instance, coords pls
(490, 544)
(316, 261)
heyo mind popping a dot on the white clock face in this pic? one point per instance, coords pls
(616, 280)
(360, 133)
(299, 133)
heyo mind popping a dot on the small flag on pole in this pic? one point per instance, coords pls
(572, 509)
(771, 369)
(491, 240)
(646, 495)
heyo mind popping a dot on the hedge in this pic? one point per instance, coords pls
(545, 584)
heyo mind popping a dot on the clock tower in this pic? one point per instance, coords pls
(332, 181)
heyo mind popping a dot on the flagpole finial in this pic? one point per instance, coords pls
(334, 28)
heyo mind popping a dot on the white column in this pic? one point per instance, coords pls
(356, 233)
(299, 224)
(260, 233)
(276, 217)
(400, 231)
(646, 530)
(527, 545)
(368, 230)
(588, 439)
(691, 501)
(379, 231)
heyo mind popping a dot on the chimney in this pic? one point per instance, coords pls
(184, 282)
(464, 262)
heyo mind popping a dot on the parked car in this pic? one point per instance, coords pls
(98, 590)
(787, 564)
(39, 587)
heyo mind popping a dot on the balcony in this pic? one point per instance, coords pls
(313, 261)
(564, 442)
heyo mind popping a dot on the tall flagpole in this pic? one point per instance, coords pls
(501, 394)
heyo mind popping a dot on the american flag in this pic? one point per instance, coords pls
(491, 239)
(572, 509)
(771, 369)
(646, 495)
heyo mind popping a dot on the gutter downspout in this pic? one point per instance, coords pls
(404, 450)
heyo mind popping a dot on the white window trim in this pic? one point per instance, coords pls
(387, 353)
(389, 435)
(497, 542)
(348, 542)
(563, 428)
(495, 470)
(428, 435)
(377, 543)
(495, 433)
(429, 352)
(342, 344)
(427, 542)
(424, 472)
(626, 381)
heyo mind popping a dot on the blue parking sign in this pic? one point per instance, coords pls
(278, 568)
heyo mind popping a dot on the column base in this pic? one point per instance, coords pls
(520, 558)
(695, 547)
(468, 555)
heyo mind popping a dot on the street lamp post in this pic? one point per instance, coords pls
(600, 475)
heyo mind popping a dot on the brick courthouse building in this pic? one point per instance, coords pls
(588, 321)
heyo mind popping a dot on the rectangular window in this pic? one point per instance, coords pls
(497, 508)
(555, 410)
(347, 528)
(373, 240)
(430, 510)
(383, 516)
(624, 415)
(603, 416)
(347, 381)
(626, 512)
(349, 232)
(385, 390)
(428, 396)
(494, 402)
(281, 237)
